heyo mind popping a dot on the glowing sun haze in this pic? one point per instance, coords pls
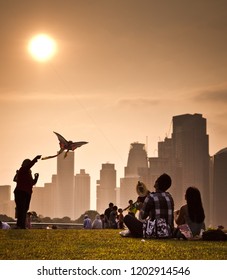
(42, 47)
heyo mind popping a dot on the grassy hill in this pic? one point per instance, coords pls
(79, 244)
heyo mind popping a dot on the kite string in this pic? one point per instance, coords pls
(86, 111)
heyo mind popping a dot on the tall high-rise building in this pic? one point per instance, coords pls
(37, 201)
(5, 192)
(81, 193)
(49, 197)
(43, 199)
(136, 169)
(191, 153)
(164, 163)
(219, 188)
(64, 194)
(137, 159)
(106, 187)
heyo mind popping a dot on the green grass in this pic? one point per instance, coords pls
(75, 244)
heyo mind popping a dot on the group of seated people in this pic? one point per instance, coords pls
(156, 214)
(153, 215)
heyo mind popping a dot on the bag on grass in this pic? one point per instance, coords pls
(186, 231)
(157, 228)
(214, 235)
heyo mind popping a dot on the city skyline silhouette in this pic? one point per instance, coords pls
(178, 156)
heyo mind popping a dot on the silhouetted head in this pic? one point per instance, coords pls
(26, 162)
(115, 208)
(163, 182)
(195, 207)
(193, 194)
(111, 204)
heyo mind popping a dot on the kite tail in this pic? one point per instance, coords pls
(66, 153)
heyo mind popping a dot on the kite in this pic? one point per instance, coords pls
(66, 145)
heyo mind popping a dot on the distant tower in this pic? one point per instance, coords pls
(219, 198)
(5, 194)
(81, 193)
(137, 159)
(64, 194)
(106, 187)
(49, 201)
(43, 199)
(191, 152)
(38, 201)
(164, 163)
(136, 169)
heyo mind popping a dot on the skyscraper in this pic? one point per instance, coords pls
(137, 159)
(5, 191)
(81, 193)
(43, 199)
(219, 189)
(191, 153)
(64, 194)
(136, 169)
(164, 163)
(106, 187)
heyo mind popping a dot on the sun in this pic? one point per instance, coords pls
(42, 47)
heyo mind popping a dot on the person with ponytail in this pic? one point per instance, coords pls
(192, 213)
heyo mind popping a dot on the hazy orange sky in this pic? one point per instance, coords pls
(123, 69)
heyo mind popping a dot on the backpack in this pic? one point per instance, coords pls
(214, 235)
(157, 228)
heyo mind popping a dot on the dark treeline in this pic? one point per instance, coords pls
(40, 219)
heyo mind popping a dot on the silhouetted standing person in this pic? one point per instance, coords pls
(107, 215)
(23, 190)
(113, 217)
(120, 218)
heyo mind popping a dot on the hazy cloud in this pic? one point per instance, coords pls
(219, 95)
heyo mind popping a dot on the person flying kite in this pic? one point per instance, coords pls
(66, 145)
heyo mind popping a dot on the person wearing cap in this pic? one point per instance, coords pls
(23, 190)
(158, 204)
(87, 222)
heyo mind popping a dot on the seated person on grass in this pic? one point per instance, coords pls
(190, 215)
(157, 208)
